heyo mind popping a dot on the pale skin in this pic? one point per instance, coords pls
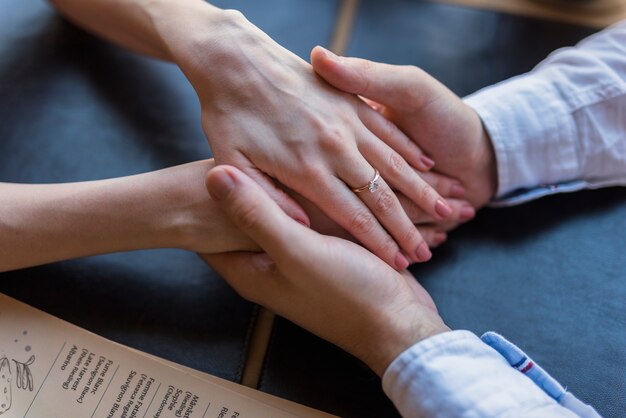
(168, 208)
(266, 112)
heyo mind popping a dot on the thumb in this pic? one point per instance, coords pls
(253, 211)
(390, 85)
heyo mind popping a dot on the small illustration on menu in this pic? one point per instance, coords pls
(22, 377)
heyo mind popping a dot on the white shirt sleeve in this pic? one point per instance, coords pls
(561, 127)
(456, 374)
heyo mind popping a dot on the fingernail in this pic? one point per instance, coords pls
(467, 212)
(401, 262)
(457, 190)
(443, 209)
(440, 238)
(427, 162)
(220, 185)
(423, 252)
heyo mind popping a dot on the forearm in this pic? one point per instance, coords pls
(45, 223)
(218, 50)
(151, 27)
(163, 209)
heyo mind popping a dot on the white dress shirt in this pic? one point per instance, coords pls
(559, 128)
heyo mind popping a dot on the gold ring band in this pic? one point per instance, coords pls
(371, 186)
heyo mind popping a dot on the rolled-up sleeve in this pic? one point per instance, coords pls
(561, 127)
(456, 374)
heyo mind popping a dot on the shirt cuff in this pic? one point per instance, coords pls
(456, 374)
(532, 132)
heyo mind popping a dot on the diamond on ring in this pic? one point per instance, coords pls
(372, 186)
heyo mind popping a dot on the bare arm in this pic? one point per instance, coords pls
(163, 209)
(151, 27)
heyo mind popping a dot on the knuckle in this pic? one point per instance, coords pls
(427, 193)
(397, 165)
(234, 16)
(362, 223)
(313, 171)
(253, 291)
(334, 140)
(248, 217)
(414, 70)
(388, 246)
(367, 65)
(367, 70)
(416, 74)
(385, 202)
(390, 130)
(411, 235)
(266, 266)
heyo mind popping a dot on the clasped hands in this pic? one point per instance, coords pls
(327, 284)
(292, 140)
(269, 114)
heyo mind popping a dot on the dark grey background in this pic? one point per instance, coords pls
(549, 275)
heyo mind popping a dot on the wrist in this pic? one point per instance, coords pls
(181, 25)
(188, 218)
(399, 334)
(489, 166)
(184, 206)
(208, 40)
(485, 184)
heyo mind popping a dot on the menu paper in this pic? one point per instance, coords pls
(50, 368)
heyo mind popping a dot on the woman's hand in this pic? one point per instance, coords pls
(430, 114)
(432, 230)
(266, 112)
(200, 226)
(334, 288)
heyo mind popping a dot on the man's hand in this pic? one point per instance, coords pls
(336, 289)
(436, 119)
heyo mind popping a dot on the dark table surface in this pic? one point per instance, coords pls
(549, 275)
